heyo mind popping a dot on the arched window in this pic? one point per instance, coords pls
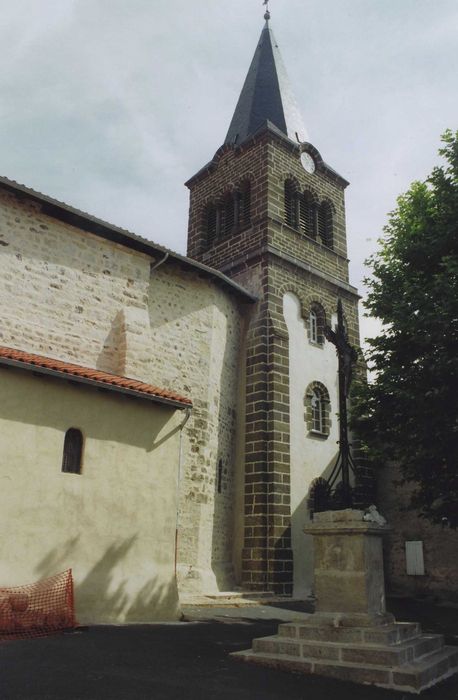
(307, 215)
(325, 224)
(291, 204)
(73, 451)
(317, 410)
(313, 327)
(317, 322)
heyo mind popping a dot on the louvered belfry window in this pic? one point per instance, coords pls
(73, 451)
(325, 224)
(291, 196)
(307, 216)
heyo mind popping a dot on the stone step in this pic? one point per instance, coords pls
(413, 678)
(351, 652)
(387, 634)
(428, 670)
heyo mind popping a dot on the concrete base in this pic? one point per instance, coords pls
(396, 655)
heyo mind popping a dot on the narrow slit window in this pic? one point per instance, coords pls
(73, 451)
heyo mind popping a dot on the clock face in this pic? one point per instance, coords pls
(307, 162)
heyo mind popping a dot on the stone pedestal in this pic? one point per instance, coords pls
(351, 636)
(348, 569)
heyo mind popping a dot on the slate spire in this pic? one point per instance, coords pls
(266, 95)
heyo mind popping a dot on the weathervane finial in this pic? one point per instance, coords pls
(267, 14)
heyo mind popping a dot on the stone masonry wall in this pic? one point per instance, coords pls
(440, 544)
(69, 294)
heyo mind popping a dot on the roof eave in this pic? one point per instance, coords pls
(37, 369)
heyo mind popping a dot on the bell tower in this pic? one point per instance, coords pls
(270, 213)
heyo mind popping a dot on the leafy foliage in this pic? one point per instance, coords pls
(410, 412)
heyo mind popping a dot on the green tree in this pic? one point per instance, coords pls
(409, 413)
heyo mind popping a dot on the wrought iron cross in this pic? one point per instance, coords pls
(347, 356)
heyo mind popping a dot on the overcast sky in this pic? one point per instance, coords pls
(110, 105)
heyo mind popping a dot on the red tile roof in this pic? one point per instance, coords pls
(107, 380)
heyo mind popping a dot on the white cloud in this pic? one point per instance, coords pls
(112, 105)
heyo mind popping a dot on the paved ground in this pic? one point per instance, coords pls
(187, 660)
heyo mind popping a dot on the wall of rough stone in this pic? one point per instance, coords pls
(440, 544)
(69, 294)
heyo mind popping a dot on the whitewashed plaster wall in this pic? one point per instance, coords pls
(311, 456)
(69, 294)
(110, 524)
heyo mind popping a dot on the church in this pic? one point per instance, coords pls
(164, 416)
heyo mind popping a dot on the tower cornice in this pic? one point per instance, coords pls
(268, 129)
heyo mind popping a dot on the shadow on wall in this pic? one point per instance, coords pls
(57, 404)
(102, 595)
(224, 469)
(113, 356)
(302, 544)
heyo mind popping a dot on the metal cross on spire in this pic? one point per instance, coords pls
(267, 14)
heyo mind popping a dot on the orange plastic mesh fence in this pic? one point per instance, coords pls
(38, 609)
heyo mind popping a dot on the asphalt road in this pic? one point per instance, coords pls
(183, 661)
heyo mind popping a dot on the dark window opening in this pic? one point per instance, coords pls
(73, 451)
